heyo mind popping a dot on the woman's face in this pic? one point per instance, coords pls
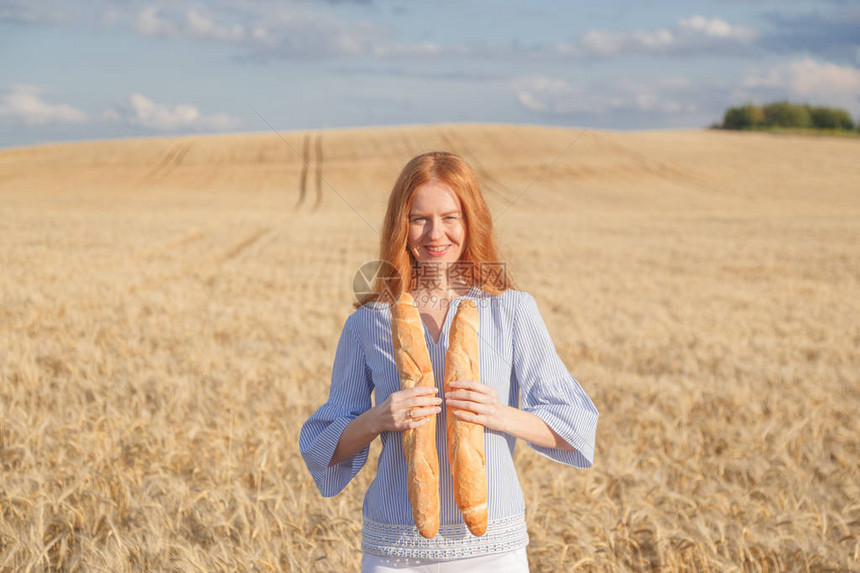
(437, 230)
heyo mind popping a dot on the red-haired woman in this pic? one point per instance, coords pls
(438, 232)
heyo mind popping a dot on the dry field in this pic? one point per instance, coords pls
(169, 310)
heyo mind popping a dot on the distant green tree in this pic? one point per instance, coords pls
(831, 118)
(743, 117)
(788, 115)
(785, 114)
(737, 118)
(757, 114)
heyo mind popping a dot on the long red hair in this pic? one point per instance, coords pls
(480, 248)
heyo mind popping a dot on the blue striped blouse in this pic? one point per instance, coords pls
(517, 358)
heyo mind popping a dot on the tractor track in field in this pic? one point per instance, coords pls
(171, 160)
(237, 248)
(303, 177)
(312, 151)
(205, 270)
(319, 178)
(490, 182)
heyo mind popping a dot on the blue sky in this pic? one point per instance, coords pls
(106, 69)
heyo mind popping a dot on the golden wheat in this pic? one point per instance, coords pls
(170, 309)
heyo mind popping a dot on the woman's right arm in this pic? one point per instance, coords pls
(349, 397)
(400, 411)
(333, 442)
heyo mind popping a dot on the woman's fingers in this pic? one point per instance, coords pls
(466, 399)
(474, 402)
(466, 395)
(472, 392)
(418, 396)
(468, 405)
(421, 412)
(470, 416)
(423, 401)
(418, 391)
(412, 407)
(417, 417)
(415, 395)
(470, 386)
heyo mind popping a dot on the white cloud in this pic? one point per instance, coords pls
(150, 23)
(202, 26)
(716, 28)
(806, 80)
(559, 97)
(302, 30)
(280, 29)
(24, 104)
(193, 22)
(553, 95)
(695, 34)
(151, 115)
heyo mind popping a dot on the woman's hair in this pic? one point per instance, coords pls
(480, 253)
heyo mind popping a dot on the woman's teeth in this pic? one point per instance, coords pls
(437, 251)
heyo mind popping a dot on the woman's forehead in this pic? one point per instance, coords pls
(435, 196)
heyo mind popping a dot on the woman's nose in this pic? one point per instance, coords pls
(435, 230)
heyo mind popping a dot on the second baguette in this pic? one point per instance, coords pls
(466, 439)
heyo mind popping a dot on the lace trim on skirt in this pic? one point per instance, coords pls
(452, 542)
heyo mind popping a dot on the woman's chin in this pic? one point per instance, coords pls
(441, 261)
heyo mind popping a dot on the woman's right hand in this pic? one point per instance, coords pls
(407, 409)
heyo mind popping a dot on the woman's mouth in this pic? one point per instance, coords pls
(437, 251)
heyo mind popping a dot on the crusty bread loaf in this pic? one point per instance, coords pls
(466, 439)
(419, 444)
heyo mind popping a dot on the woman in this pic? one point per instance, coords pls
(438, 233)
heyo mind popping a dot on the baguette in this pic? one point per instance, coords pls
(466, 439)
(419, 444)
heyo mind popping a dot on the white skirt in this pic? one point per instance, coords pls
(508, 562)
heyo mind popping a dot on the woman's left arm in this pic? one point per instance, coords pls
(475, 402)
(554, 414)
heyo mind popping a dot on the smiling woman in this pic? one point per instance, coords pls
(439, 242)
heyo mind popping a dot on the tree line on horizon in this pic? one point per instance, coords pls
(784, 114)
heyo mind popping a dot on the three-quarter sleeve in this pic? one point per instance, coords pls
(349, 396)
(549, 391)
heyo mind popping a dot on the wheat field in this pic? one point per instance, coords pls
(169, 310)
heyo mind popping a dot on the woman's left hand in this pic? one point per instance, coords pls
(475, 402)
